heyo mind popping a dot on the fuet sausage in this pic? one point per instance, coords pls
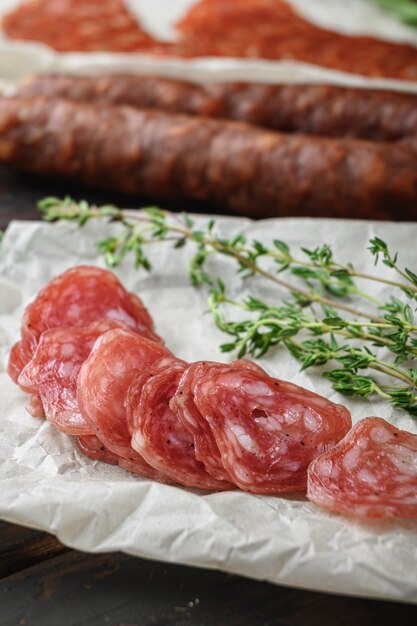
(230, 164)
(325, 110)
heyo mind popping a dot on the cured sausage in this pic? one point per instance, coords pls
(272, 29)
(77, 298)
(95, 450)
(267, 430)
(157, 433)
(84, 25)
(371, 473)
(103, 384)
(34, 406)
(309, 109)
(92, 447)
(247, 169)
(53, 371)
(184, 407)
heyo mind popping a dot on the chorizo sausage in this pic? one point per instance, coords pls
(325, 110)
(249, 170)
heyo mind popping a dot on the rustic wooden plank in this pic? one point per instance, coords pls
(117, 590)
(23, 547)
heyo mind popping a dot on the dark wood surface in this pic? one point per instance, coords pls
(43, 583)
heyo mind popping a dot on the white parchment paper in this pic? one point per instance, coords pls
(158, 17)
(47, 484)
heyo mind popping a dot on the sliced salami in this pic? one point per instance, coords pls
(17, 361)
(267, 430)
(92, 447)
(159, 436)
(34, 406)
(104, 380)
(78, 297)
(184, 407)
(53, 371)
(95, 450)
(371, 473)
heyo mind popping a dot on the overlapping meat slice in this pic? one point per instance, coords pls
(157, 433)
(371, 473)
(78, 297)
(53, 371)
(116, 358)
(267, 430)
(92, 447)
(184, 407)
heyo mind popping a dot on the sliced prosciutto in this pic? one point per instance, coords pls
(184, 407)
(116, 358)
(78, 297)
(157, 433)
(267, 430)
(371, 473)
(53, 371)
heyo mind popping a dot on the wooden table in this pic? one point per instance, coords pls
(43, 583)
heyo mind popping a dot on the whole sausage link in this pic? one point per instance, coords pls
(229, 164)
(325, 110)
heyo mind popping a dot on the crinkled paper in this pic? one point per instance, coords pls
(46, 483)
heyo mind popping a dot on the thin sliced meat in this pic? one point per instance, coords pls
(17, 361)
(78, 297)
(184, 407)
(371, 473)
(92, 447)
(103, 383)
(267, 430)
(53, 371)
(34, 406)
(159, 436)
(95, 450)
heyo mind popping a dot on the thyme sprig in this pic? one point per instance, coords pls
(364, 351)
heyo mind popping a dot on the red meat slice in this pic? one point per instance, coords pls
(95, 450)
(267, 430)
(53, 371)
(103, 383)
(372, 472)
(183, 405)
(34, 407)
(78, 297)
(157, 433)
(82, 25)
(92, 447)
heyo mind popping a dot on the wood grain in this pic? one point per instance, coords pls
(23, 547)
(118, 590)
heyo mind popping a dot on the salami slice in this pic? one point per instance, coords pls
(34, 406)
(95, 450)
(159, 436)
(53, 371)
(267, 430)
(17, 361)
(92, 447)
(371, 473)
(78, 297)
(183, 405)
(103, 383)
